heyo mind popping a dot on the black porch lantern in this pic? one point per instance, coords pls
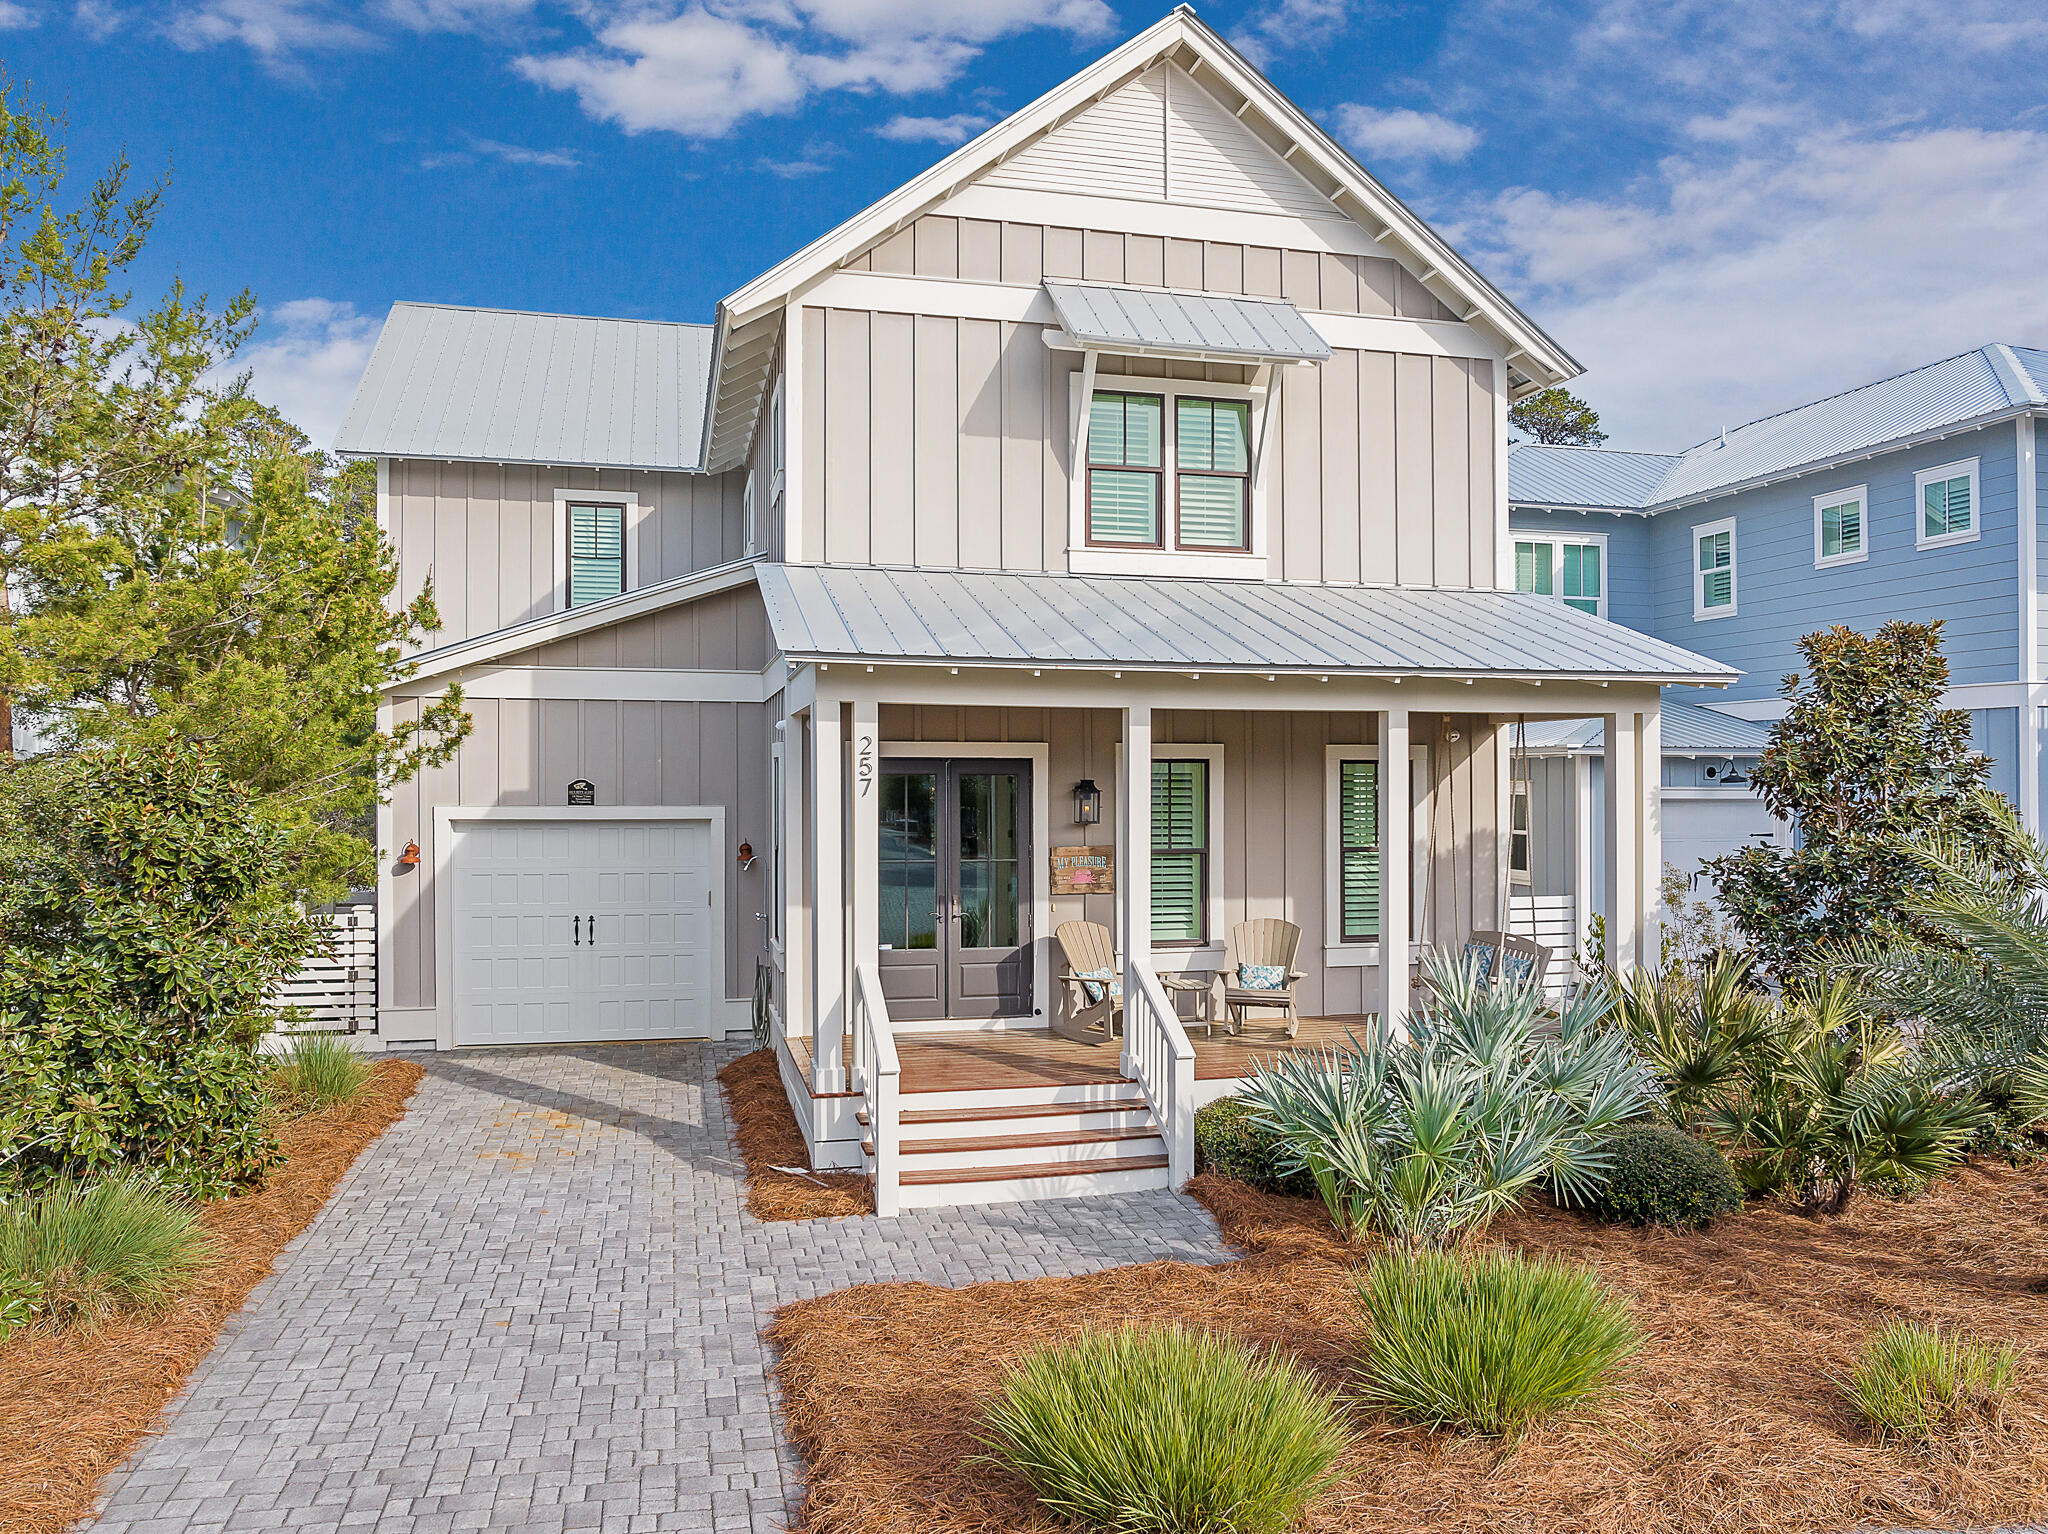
(1087, 803)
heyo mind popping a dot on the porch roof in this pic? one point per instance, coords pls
(992, 618)
(1689, 729)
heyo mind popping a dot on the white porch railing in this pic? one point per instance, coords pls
(879, 1079)
(1158, 1054)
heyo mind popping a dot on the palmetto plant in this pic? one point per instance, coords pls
(1427, 1139)
(1696, 1030)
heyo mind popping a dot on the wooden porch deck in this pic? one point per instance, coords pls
(1038, 1057)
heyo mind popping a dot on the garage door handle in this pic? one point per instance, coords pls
(576, 937)
(593, 930)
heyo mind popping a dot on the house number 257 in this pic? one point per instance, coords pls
(864, 764)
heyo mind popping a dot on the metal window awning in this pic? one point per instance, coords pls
(1203, 327)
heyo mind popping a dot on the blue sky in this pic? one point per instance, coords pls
(1723, 207)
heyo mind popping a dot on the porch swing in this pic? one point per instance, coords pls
(1502, 954)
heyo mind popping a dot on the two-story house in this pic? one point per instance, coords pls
(1110, 524)
(1913, 497)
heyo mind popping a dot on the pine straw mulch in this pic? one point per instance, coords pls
(779, 1186)
(1728, 1420)
(74, 1403)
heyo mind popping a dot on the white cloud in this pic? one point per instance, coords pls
(306, 359)
(1401, 133)
(1289, 24)
(703, 69)
(98, 19)
(1734, 289)
(451, 15)
(956, 129)
(509, 154)
(13, 17)
(272, 29)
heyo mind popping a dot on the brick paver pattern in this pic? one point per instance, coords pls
(536, 1304)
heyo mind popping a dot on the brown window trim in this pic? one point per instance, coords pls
(1089, 466)
(1243, 546)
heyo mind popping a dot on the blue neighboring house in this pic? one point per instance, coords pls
(1917, 497)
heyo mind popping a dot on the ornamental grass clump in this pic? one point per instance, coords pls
(1913, 1382)
(319, 1070)
(1486, 1342)
(1166, 1431)
(87, 1252)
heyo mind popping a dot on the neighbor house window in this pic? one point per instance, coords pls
(1841, 528)
(597, 552)
(1212, 473)
(1947, 498)
(1126, 464)
(1518, 832)
(1571, 568)
(1713, 570)
(1180, 851)
(1358, 850)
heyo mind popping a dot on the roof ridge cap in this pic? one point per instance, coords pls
(2017, 382)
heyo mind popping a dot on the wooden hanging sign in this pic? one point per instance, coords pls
(1084, 870)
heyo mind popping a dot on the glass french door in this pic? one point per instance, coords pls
(954, 903)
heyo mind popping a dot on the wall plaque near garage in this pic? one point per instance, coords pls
(583, 791)
(1084, 870)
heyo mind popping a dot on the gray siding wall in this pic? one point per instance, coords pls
(727, 631)
(1276, 848)
(488, 534)
(934, 440)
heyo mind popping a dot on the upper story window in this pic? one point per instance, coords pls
(1713, 569)
(1573, 568)
(597, 551)
(1212, 473)
(1947, 501)
(1168, 480)
(1841, 528)
(1126, 468)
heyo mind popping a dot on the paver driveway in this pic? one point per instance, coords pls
(536, 1303)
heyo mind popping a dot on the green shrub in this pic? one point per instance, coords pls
(1165, 1431)
(1664, 1176)
(1486, 1342)
(318, 1070)
(1911, 1381)
(21, 1301)
(1231, 1140)
(85, 1251)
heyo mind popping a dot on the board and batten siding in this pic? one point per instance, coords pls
(489, 536)
(1275, 846)
(726, 631)
(942, 441)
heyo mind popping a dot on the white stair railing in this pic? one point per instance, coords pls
(880, 1080)
(1158, 1054)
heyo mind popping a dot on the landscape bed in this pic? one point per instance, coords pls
(773, 1150)
(1730, 1418)
(73, 1403)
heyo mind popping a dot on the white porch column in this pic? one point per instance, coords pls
(1134, 836)
(1397, 860)
(1582, 852)
(794, 859)
(864, 888)
(828, 900)
(1650, 845)
(1624, 823)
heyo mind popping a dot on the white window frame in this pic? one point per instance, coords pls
(1957, 470)
(778, 447)
(1209, 954)
(1086, 559)
(1337, 953)
(1519, 788)
(564, 499)
(1700, 611)
(1860, 494)
(1557, 541)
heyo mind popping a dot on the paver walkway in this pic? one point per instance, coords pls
(536, 1303)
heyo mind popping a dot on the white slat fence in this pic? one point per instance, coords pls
(336, 990)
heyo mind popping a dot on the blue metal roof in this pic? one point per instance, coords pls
(1987, 384)
(1688, 730)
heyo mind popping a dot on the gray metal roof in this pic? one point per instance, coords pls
(1987, 384)
(499, 386)
(1154, 320)
(1591, 477)
(1688, 730)
(830, 612)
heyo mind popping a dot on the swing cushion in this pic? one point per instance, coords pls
(1479, 957)
(1516, 968)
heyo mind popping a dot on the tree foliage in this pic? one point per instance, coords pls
(1864, 759)
(1558, 418)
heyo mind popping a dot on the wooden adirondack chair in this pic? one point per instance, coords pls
(1090, 965)
(1267, 942)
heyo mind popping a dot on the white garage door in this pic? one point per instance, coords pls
(582, 931)
(1711, 823)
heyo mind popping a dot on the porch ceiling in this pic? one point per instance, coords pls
(1150, 623)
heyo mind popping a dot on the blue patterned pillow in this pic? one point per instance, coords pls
(1517, 968)
(1095, 982)
(1262, 977)
(1479, 960)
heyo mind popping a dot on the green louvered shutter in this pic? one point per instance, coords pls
(1358, 846)
(1180, 851)
(597, 553)
(1532, 568)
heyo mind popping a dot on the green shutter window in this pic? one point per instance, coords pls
(1126, 441)
(597, 553)
(1212, 467)
(1358, 849)
(1946, 506)
(1841, 529)
(1581, 577)
(1532, 568)
(1180, 851)
(1717, 570)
